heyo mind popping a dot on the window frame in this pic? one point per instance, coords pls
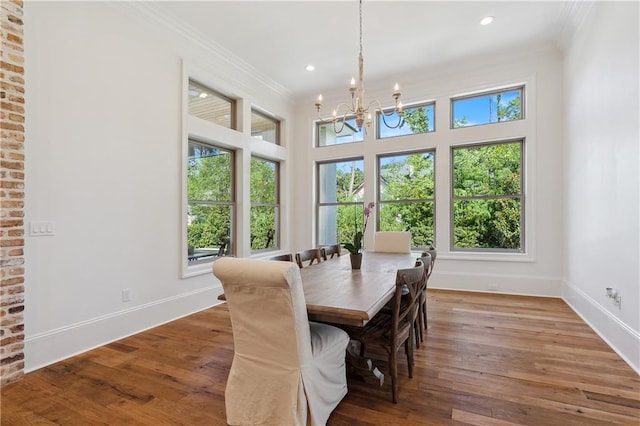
(276, 205)
(270, 118)
(329, 121)
(521, 87)
(233, 108)
(406, 201)
(380, 122)
(232, 203)
(521, 196)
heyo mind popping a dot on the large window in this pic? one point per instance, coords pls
(340, 203)
(207, 104)
(415, 119)
(210, 202)
(343, 131)
(487, 198)
(265, 206)
(490, 107)
(406, 196)
(265, 127)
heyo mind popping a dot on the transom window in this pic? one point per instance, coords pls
(415, 119)
(406, 196)
(265, 204)
(487, 201)
(211, 203)
(489, 107)
(265, 127)
(340, 200)
(207, 104)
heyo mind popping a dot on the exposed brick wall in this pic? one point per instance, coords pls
(11, 192)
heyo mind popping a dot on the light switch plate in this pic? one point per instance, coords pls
(41, 228)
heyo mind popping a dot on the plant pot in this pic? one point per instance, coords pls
(356, 260)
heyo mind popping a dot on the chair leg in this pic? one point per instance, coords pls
(424, 310)
(417, 331)
(393, 371)
(408, 349)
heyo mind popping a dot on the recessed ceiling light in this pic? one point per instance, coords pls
(309, 67)
(486, 20)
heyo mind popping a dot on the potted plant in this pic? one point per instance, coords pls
(355, 248)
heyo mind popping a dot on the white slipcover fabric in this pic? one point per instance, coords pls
(392, 241)
(285, 370)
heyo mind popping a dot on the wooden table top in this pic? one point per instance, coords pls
(338, 294)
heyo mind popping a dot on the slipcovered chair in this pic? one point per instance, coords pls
(285, 370)
(392, 241)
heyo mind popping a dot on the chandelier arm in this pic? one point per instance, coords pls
(383, 114)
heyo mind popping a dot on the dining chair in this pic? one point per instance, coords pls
(285, 370)
(420, 323)
(433, 253)
(287, 257)
(391, 330)
(333, 250)
(392, 241)
(310, 255)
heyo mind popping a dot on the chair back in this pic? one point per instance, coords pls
(329, 251)
(433, 253)
(267, 309)
(311, 255)
(392, 241)
(408, 284)
(287, 257)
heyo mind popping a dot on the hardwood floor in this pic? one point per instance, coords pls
(487, 360)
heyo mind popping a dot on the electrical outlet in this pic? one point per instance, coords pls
(126, 295)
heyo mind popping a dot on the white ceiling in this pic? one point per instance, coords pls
(279, 38)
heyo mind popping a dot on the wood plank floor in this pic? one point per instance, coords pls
(487, 360)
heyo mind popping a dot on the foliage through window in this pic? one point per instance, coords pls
(492, 107)
(265, 127)
(328, 134)
(415, 119)
(211, 205)
(340, 201)
(207, 104)
(265, 207)
(487, 197)
(407, 195)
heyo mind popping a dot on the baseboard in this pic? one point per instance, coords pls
(56, 345)
(619, 336)
(524, 285)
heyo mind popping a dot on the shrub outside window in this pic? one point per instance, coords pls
(415, 119)
(207, 104)
(265, 206)
(265, 127)
(406, 195)
(490, 107)
(327, 134)
(487, 199)
(211, 204)
(340, 201)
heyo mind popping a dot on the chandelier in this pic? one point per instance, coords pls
(357, 107)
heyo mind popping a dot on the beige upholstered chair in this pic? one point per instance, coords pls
(392, 241)
(285, 370)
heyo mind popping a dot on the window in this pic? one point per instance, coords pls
(210, 105)
(265, 127)
(340, 203)
(406, 196)
(490, 107)
(487, 199)
(265, 207)
(415, 119)
(330, 134)
(211, 205)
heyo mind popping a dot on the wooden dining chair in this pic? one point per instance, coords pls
(310, 256)
(287, 257)
(420, 322)
(433, 253)
(391, 330)
(332, 250)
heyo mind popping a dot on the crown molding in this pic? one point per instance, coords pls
(211, 53)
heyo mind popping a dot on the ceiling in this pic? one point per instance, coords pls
(279, 38)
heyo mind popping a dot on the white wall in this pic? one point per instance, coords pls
(601, 175)
(104, 136)
(539, 270)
